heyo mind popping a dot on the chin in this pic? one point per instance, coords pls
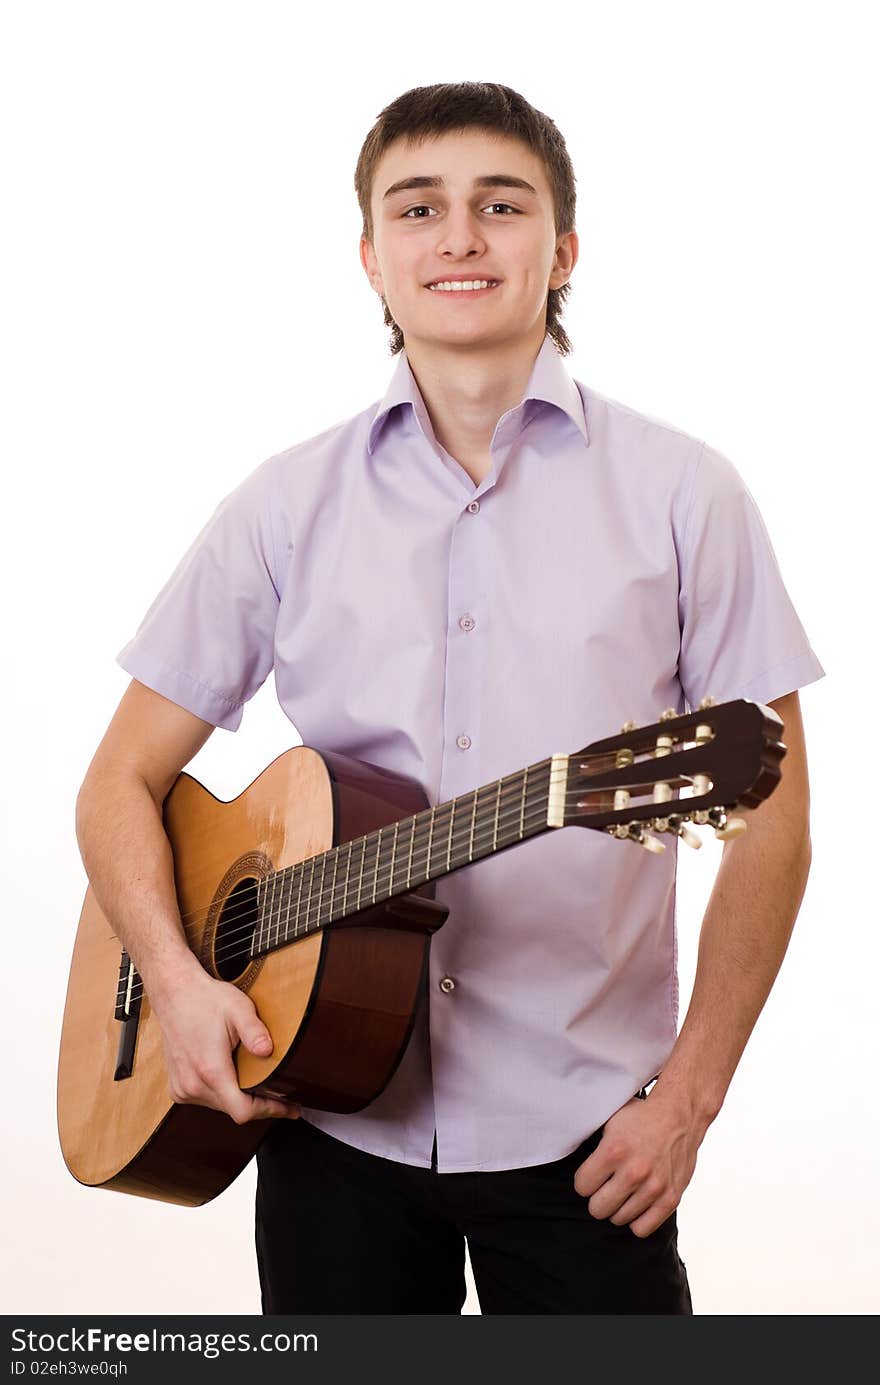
(453, 333)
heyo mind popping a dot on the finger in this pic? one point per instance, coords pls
(228, 1096)
(593, 1172)
(252, 1032)
(243, 1106)
(656, 1215)
(263, 1107)
(639, 1202)
(611, 1196)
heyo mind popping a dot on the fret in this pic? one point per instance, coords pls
(271, 893)
(401, 867)
(430, 837)
(267, 909)
(293, 914)
(300, 870)
(393, 854)
(449, 840)
(376, 866)
(327, 885)
(497, 814)
(279, 907)
(363, 855)
(307, 921)
(280, 880)
(412, 838)
(336, 910)
(522, 809)
(473, 824)
(288, 900)
(439, 869)
(257, 939)
(321, 890)
(461, 832)
(345, 878)
(284, 902)
(339, 906)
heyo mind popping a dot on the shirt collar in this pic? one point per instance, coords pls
(549, 382)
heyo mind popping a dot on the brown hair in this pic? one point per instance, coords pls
(426, 111)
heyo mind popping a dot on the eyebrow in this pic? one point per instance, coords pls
(488, 180)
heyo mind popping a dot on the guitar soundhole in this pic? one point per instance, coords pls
(235, 930)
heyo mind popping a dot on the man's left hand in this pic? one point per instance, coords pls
(640, 1168)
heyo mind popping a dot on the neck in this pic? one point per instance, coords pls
(467, 392)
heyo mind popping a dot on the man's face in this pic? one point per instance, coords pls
(462, 231)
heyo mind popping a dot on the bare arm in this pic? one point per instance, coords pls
(648, 1151)
(127, 856)
(121, 836)
(746, 930)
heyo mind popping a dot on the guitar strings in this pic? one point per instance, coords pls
(233, 941)
(512, 793)
(316, 901)
(502, 818)
(534, 814)
(509, 791)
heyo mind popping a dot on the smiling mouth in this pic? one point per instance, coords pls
(490, 285)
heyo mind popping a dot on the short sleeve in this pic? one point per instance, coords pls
(740, 633)
(207, 641)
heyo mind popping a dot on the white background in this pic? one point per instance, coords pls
(182, 297)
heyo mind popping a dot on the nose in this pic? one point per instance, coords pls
(461, 235)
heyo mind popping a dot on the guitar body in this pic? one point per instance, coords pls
(340, 1003)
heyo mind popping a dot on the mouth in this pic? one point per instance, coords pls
(453, 291)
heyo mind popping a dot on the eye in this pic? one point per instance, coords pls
(423, 208)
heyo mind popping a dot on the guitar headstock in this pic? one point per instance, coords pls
(724, 755)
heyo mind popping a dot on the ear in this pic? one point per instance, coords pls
(565, 261)
(371, 265)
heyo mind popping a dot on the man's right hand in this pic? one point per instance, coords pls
(202, 1020)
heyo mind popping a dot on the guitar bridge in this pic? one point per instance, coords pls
(129, 989)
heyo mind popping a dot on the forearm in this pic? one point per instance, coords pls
(743, 939)
(128, 859)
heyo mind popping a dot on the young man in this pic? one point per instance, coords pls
(492, 565)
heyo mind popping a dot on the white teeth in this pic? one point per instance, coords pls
(456, 286)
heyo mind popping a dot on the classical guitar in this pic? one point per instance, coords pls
(313, 891)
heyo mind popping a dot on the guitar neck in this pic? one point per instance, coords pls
(721, 754)
(397, 858)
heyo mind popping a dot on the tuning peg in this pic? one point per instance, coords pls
(668, 714)
(627, 726)
(689, 837)
(651, 843)
(730, 828)
(635, 832)
(707, 702)
(664, 745)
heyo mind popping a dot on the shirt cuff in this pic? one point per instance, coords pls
(179, 687)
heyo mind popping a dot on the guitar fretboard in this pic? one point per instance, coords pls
(397, 858)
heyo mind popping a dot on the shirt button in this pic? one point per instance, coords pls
(464, 742)
(447, 984)
(467, 622)
(474, 507)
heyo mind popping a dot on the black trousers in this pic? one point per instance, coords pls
(339, 1230)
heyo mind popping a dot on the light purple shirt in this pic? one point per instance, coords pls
(607, 567)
